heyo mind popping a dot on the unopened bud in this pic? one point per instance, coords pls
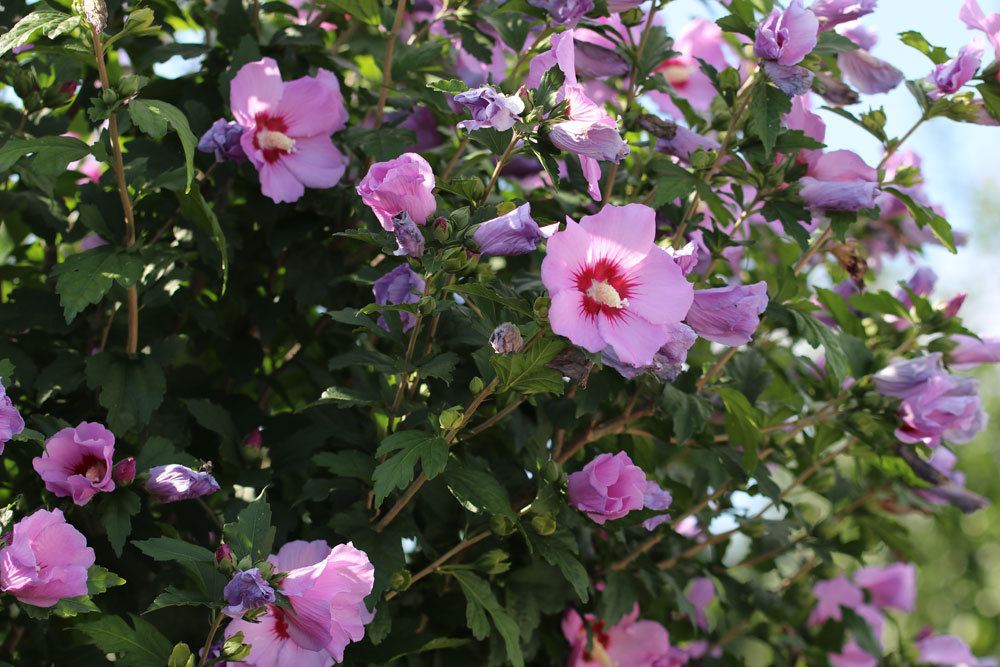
(552, 472)
(124, 471)
(441, 230)
(541, 307)
(506, 339)
(494, 561)
(400, 581)
(254, 439)
(451, 418)
(96, 13)
(427, 305)
(544, 524)
(476, 384)
(501, 525)
(224, 555)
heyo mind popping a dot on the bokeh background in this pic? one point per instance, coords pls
(959, 580)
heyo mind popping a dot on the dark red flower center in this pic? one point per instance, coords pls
(270, 137)
(91, 467)
(677, 72)
(600, 643)
(605, 289)
(280, 624)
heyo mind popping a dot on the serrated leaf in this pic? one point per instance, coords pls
(251, 535)
(130, 388)
(914, 39)
(743, 424)
(495, 293)
(137, 646)
(477, 490)
(560, 550)
(154, 116)
(767, 106)
(117, 510)
(405, 449)
(526, 372)
(51, 154)
(168, 549)
(618, 597)
(196, 209)
(482, 607)
(448, 86)
(85, 277)
(689, 413)
(366, 11)
(174, 597)
(50, 22)
(351, 463)
(926, 217)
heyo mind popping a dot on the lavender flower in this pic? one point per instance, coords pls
(786, 37)
(514, 233)
(728, 315)
(408, 236)
(490, 109)
(174, 482)
(11, 422)
(245, 592)
(832, 13)
(506, 339)
(401, 285)
(223, 139)
(564, 12)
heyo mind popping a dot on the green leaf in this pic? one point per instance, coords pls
(914, 39)
(85, 277)
(689, 413)
(830, 43)
(791, 216)
(382, 144)
(174, 597)
(168, 549)
(526, 372)
(767, 106)
(130, 388)
(837, 306)
(235, 648)
(817, 334)
(618, 597)
(560, 550)
(448, 86)
(990, 91)
(862, 632)
(926, 217)
(138, 646)
(468, 188)
(50, 22)
(396, 472)
(436, 644)
(672, 181)
(497, 142)
(346, 397)
(743, 424)
(196, 209)
(138, 23)
(441, 366)
(213, 417)
(351, 463)
(482, 604)
(100, 579)
(51, 154)
(116, 510)
(496, 293)
(252, 534)
(154, 116)
(477, 490)
(366, 11)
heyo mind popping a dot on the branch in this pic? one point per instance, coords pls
(390, 50)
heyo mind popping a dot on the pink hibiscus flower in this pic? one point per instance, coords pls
(612, 286)
(287, 128)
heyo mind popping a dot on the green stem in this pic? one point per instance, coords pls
(216, 622)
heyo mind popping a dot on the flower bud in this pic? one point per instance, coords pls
(254, 439)
(124, 471)
(451, 418)
(494, 561)
(400, 581)
(427, 305)
(441, 230)
(506, 339)
(501, 525)
(541, 307)
(224, 556)
(476, 384)
(544, 524)
(552, 472)
(245, 592)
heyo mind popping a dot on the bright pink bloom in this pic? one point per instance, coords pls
(405, 183)
(629, 643)
(698, 40)
(326, 589)
(972, 15)
(831, 596)
(728, 315)
(46, 561)
(11, 422)
(949, 77)
(786, 37)
(949, 651)
(870, 75)
(840, 181)
(892, 586)
(561, 53)
(971, 352)
(287, 128)
(612, 286)
(608, 488)
(77, 462)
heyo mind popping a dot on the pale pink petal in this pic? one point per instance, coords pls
(313, 106)
(256, 87)
(316, 162)
(621, 233)
(568, 318)
(633, 339)
(299, 554)
(564, 253)
(842, 165)
(661, 294)
(592, 174)
(280, 184)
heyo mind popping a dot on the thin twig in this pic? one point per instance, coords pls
(390, 50)
(454, 158)
(501, 163)
(476, 538)
(716, 368)
(815, 247)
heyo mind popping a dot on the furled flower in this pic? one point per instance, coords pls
(861, 69)
(514, 233)
(667, 362)
(590, 131)
(946, 407)
(401, 285)
(700, 595)
(629, 643)
(831, 596)
(564, 12)
(792, 80)
(685, 142)
(608, 488)
(506, 339)
(948, 484)
(326, 589)
(46, 560)
(254, 439)
(174, 482)
(892, 586)
(11, 422)
(949, 77)
(832, 13)
(948, 651)
(409, 238)
(77, 462)
(840, 181)
(287, 128)
(405, 183)
(223, 141)
(699, 40)
(611, 286)
(728, 315)
(490, 109)
(908, 377)
(224, 555)
(968, 353)
(124, 471)
(245, 592)
(786, 37)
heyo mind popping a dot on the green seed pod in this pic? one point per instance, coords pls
(451, 418)
(476, 384)
(501, 525)
(544, 524)
(541, 307)
(552, 472)
(494, 561)
(400, 581)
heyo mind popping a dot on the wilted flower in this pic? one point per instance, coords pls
(861, 69)
(728, 315)
(46, 560)
(245, 592)
(174, 482)
(401, 285)
(77, 462)
(124, 471)
(490, 109)
(405, 183)
(287, 128)
(667, 362)
(506, 339)
(11, 422)
(948, 484)
(786, 37)
(326, 589)
(840, 181)
(608, 488)
(968, 353)
(514, 233)
(223, 141)
(409, 239)
(611, 286)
